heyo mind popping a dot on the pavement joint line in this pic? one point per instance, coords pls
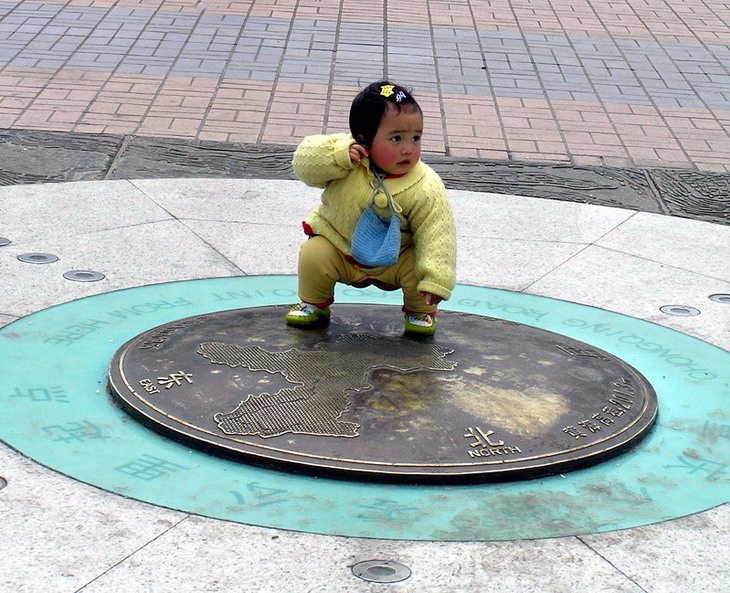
(277, 76)
(594, 243)
(128, 556)
(611, 564)
(439, 85)
(657, 191)
(335, 43)
(497, 107)
(115, 159)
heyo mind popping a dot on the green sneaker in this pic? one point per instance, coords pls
(306, 315)
(420, 324)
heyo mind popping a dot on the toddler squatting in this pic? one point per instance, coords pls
(386, 125)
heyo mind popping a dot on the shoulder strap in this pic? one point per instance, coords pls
(380, 185)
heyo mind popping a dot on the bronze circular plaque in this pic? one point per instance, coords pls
(485, 399)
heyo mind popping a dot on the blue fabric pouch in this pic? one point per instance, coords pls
(376, 240)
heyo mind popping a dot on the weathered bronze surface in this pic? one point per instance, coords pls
(485, 399)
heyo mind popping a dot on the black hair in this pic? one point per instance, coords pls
(369, 107)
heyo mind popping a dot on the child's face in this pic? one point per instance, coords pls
(396, 147)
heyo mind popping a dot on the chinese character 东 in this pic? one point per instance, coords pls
(481, 438)
(174, 379)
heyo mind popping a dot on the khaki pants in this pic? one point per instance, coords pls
(322, 265)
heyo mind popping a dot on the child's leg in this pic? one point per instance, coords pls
(403, 274)
(420, 318)
(321, 266)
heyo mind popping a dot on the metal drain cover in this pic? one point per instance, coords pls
(679, 310)
(721, 298)
(83, 276)
(381, 571)
(37, 258)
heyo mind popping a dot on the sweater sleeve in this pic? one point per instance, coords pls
(434, 237)
(320, 159)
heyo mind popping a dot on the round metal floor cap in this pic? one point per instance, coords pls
(679, 310)
(3, 483)
(721, 298)
(4, 241)
(83, 275)
(381, 571)
(37, 258)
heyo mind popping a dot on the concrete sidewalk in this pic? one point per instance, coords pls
(64, 536)
(610, 121)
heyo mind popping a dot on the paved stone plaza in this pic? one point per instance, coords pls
(586, 147)
(585, 83)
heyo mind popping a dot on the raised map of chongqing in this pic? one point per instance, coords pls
(322, 378)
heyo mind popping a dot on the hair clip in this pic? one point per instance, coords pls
(400, 96)
(386, 90)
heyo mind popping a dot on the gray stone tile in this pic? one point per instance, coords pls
(276, 246)
(144, 254)
(274, 562)
(97, 529)
(23, 36)
(232, 200)
(50, 63)
(508, 217)
(510, 264)
(658, 557)
(634, 286)
(687, 244)
(22, 62)
(7, 54)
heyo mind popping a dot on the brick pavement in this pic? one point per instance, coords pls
(579, 82)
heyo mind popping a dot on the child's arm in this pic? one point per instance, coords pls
(320, 159)
(434, 238)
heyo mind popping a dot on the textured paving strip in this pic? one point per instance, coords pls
(41, 157)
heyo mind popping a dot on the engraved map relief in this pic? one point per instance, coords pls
(321, 379)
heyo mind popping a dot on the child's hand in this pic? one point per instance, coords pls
(358, 152)
(432, 299)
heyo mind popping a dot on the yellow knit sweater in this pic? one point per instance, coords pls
(427, 222)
